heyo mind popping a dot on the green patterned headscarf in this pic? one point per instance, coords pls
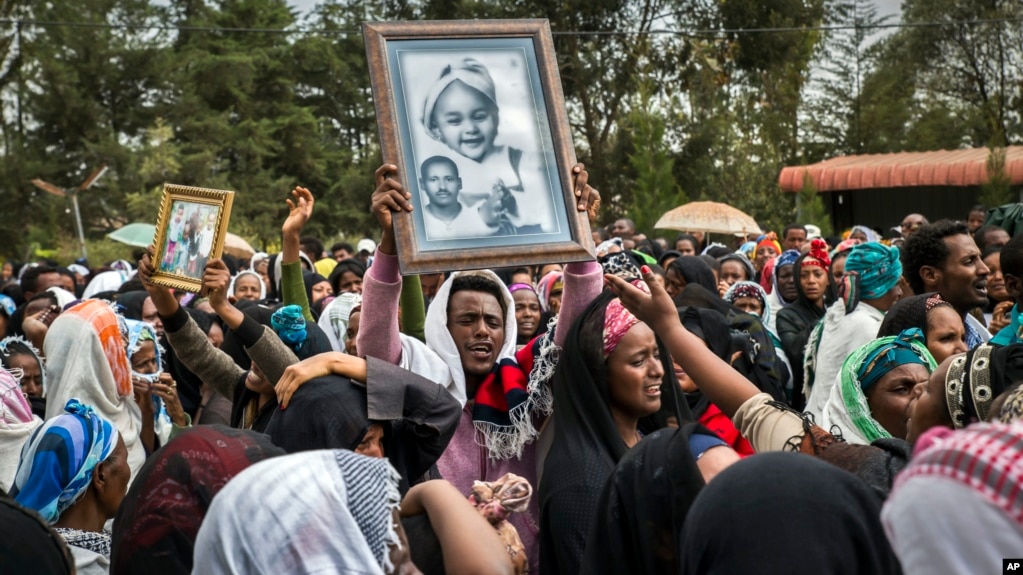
(868, 364)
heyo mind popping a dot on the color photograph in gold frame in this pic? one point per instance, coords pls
(190, 231)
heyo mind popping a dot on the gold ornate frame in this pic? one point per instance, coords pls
(221, 199)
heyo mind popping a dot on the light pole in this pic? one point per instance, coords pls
(73, 194)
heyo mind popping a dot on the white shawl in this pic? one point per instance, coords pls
(77, 367)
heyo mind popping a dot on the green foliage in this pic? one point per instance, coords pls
(651, 114)
(997, 190)
(811, 210)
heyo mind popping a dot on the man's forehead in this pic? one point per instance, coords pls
(470, 301)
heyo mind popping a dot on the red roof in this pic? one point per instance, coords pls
(905, 169)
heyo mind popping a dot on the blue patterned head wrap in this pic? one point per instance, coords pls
(878, 267)
(289, 324)
(57, 461)
(888, 353)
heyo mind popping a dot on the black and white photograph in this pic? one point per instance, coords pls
(473, 116)
(480, 160)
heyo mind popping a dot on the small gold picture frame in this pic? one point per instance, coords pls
(189, 231)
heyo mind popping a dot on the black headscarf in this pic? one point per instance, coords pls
(694, 271)
(587, 445)
(331, 412)
(759, 362)
(907, 313)
(131, 304)
(28, 544)
(712, 328)
(643, 507)
(786, 513)
(669, 254)
(310, 279)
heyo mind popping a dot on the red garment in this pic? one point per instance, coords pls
(716, 421)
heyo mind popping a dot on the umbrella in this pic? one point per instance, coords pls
(141, 235)
(237, 246)
(138, 235)
(708, 217)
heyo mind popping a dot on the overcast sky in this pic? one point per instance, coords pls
(884, 6)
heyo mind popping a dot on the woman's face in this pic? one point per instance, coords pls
(216, 335)
(144, 360)
(946, 335)
(554, 302)
(349, 282)
(247, 287)
(927, 406)
(372, 444)
(786, 282)
(635, 374)
(674, 283)
(685, 247)
(353, 332)
(256, 382)
(527, 312)
(321, 290)
(858, 235)
(995, 280)
(813, 280)
(732, 272)
(749, 305)
(8, 271)
(764, 254)
(888, 399)
(32, 380)
(115, 473)
(838, 269)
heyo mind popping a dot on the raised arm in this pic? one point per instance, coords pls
(300, 210)
(582, 280)
(259, 341)
(413, 308)
(381, 288)
(191, 345)
(723, 386)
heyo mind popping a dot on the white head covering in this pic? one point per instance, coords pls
(327, 511)
(63, 296)
(439, 339)
(259, 280)
(106, 281)
(16, 425)
(334, 319)
(79, 367)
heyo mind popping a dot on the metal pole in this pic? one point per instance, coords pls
(78, 223)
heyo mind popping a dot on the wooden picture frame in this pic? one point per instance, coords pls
(190, 230)
(473, 114)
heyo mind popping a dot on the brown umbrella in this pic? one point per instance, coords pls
(708, 217)
(237, 246)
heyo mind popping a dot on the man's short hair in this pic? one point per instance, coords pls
(790, 227)
(980, 236)
(473, 282)
(30, 280)
(312, 244)
(342, 246)
(429, 163)
(926, 247)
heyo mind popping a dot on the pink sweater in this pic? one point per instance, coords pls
(465, 461)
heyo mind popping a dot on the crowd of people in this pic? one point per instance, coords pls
(789, 403)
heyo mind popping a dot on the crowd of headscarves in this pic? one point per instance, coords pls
(297, 423)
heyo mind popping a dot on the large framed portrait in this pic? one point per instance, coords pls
(190, 230)
(473, 115)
